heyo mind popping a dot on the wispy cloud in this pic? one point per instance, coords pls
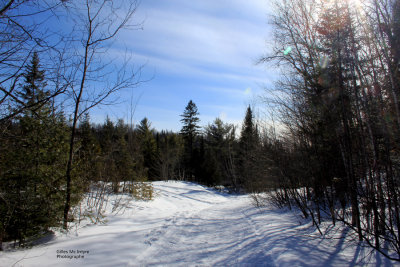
(208, 46)
(201, 35)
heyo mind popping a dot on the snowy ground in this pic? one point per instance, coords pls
(190, 225)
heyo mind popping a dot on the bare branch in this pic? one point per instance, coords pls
(6, 7)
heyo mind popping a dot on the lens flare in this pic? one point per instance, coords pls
(287, 51)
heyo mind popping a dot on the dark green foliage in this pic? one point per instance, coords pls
(189, 132)
(217, 154)
(38, 165)
(208, 170)
(33, 158)
(115, 152)
(248, 167)
(149, 148)
(169, 150)
(88, 158)
(32, 92)
(124, 161)
(190, 122)
(248, 135)
(115, 161)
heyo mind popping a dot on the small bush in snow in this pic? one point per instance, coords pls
(141, 191)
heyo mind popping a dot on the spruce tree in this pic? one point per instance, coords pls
(89, 152)
(33, 94)
(248, 149)
(220, 140)
(149, 148)
(108, 140)
(32, 166)
(170, 148)
(189, 131)
(124, 160)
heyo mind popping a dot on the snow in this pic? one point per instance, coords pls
(191, 225)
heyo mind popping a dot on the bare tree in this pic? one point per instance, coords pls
(24, 30)
(98, 23)
(339, 100)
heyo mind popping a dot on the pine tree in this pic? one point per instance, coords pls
(189, 131)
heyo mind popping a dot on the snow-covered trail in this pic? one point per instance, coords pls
(191, 225)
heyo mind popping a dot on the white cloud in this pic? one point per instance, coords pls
(201, 35)
(253, 74)
(210, 46)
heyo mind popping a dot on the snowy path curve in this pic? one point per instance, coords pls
(191, 225)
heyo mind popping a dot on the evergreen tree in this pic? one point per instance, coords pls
(170, 148)
(208, 166)
(107, 140)
(32, 93)
(124, 161)
(89, 152)
(248, 135)
(33, 162)
(149, 148)
(189, 131)
(248, 152)
(117, 163)
(220, 139)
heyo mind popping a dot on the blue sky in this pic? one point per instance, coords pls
(203, 51)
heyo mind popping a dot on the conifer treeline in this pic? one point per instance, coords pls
(34, 154)
(216, 156)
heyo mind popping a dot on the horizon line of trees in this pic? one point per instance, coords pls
(35, 153)
(50, 155)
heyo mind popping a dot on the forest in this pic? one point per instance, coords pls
(331, 147)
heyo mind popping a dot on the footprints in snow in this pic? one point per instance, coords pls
(155, 234)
